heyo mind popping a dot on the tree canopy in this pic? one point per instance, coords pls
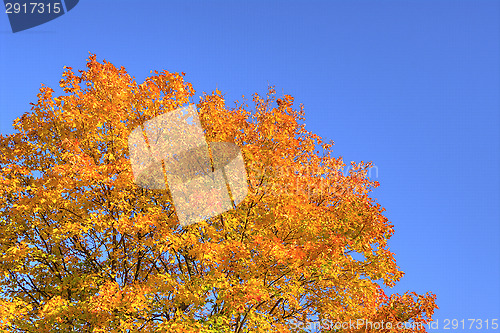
(84, 248)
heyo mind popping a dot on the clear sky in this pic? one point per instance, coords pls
(413, 86)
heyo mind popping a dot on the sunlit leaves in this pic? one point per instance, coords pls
(83, 248)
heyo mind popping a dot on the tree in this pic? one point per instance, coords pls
(83, 248)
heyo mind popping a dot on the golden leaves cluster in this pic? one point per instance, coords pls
(83, 248)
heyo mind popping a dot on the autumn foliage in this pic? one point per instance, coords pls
(83, 248)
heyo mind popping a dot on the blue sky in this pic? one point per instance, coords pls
(413, 86)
